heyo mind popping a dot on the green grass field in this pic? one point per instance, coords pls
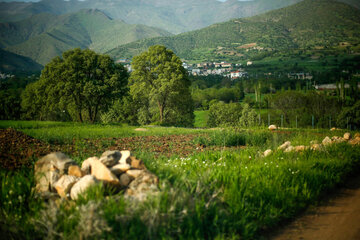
(234, 193)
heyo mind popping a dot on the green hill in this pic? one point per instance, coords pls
(45, 36)
(311, 24)
(172, 15)
(10, 62)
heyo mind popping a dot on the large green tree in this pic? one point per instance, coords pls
(160, 85)
(79, 84)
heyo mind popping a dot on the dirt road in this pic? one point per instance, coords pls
(337, 219)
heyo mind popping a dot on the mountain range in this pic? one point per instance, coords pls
(52, 27)
(310, 24)
(171, 15)
(44, 36)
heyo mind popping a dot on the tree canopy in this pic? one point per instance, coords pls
(160, 86)
(78, 85)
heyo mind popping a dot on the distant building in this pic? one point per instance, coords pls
(123, 60)
(237, 74)
(331, 86)
(301, 75)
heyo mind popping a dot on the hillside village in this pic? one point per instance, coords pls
(225, 69)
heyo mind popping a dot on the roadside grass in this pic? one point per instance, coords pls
(227, 194)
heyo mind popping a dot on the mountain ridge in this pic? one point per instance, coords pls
(50, 35)
(227, 39)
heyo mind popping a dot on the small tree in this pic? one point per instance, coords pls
(81, 82)
(160, 86)
(248, 117)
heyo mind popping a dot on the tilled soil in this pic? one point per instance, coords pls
(18, 149)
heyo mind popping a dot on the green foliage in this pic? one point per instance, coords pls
(349, 117)
(202, 97)
(160, 86)
(304, 106)
(222, 114)
(10, 101)
(80, 84)
(248, 117)
(11, 62)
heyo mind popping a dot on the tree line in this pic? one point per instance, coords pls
(87, 87)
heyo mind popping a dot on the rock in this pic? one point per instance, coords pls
(337, 139)
(64, 184)
(268, 152)
(101, 172)
(289, 149)
(135, 163)
(300, 148)
(327, 141)
(74, 170)
(125, 180)
(46, 174)
(144, 185)
(82, 185)
(141, 129)
(60, 161)
(355, 141)
(54, 177)
(134, 173)
(86, 167)
(110, 158)
(272, 127)
(120, 168)
(316, 147)
(284, 146)
(125, 157)
(347, 136)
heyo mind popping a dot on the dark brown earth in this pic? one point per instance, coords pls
(336, 219)
(18, 149)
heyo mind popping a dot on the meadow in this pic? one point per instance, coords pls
(225, 190)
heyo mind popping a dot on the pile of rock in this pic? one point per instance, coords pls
(315, 146)
(58, 175)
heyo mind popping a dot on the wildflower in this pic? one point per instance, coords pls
(10, 192)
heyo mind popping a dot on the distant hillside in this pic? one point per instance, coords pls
(10, 62)
(310, 24)
(45, 36)
(172, 15)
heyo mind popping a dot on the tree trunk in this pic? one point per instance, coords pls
(80, 116)
(161, 110)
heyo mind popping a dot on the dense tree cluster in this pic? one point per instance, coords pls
(77, 86)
